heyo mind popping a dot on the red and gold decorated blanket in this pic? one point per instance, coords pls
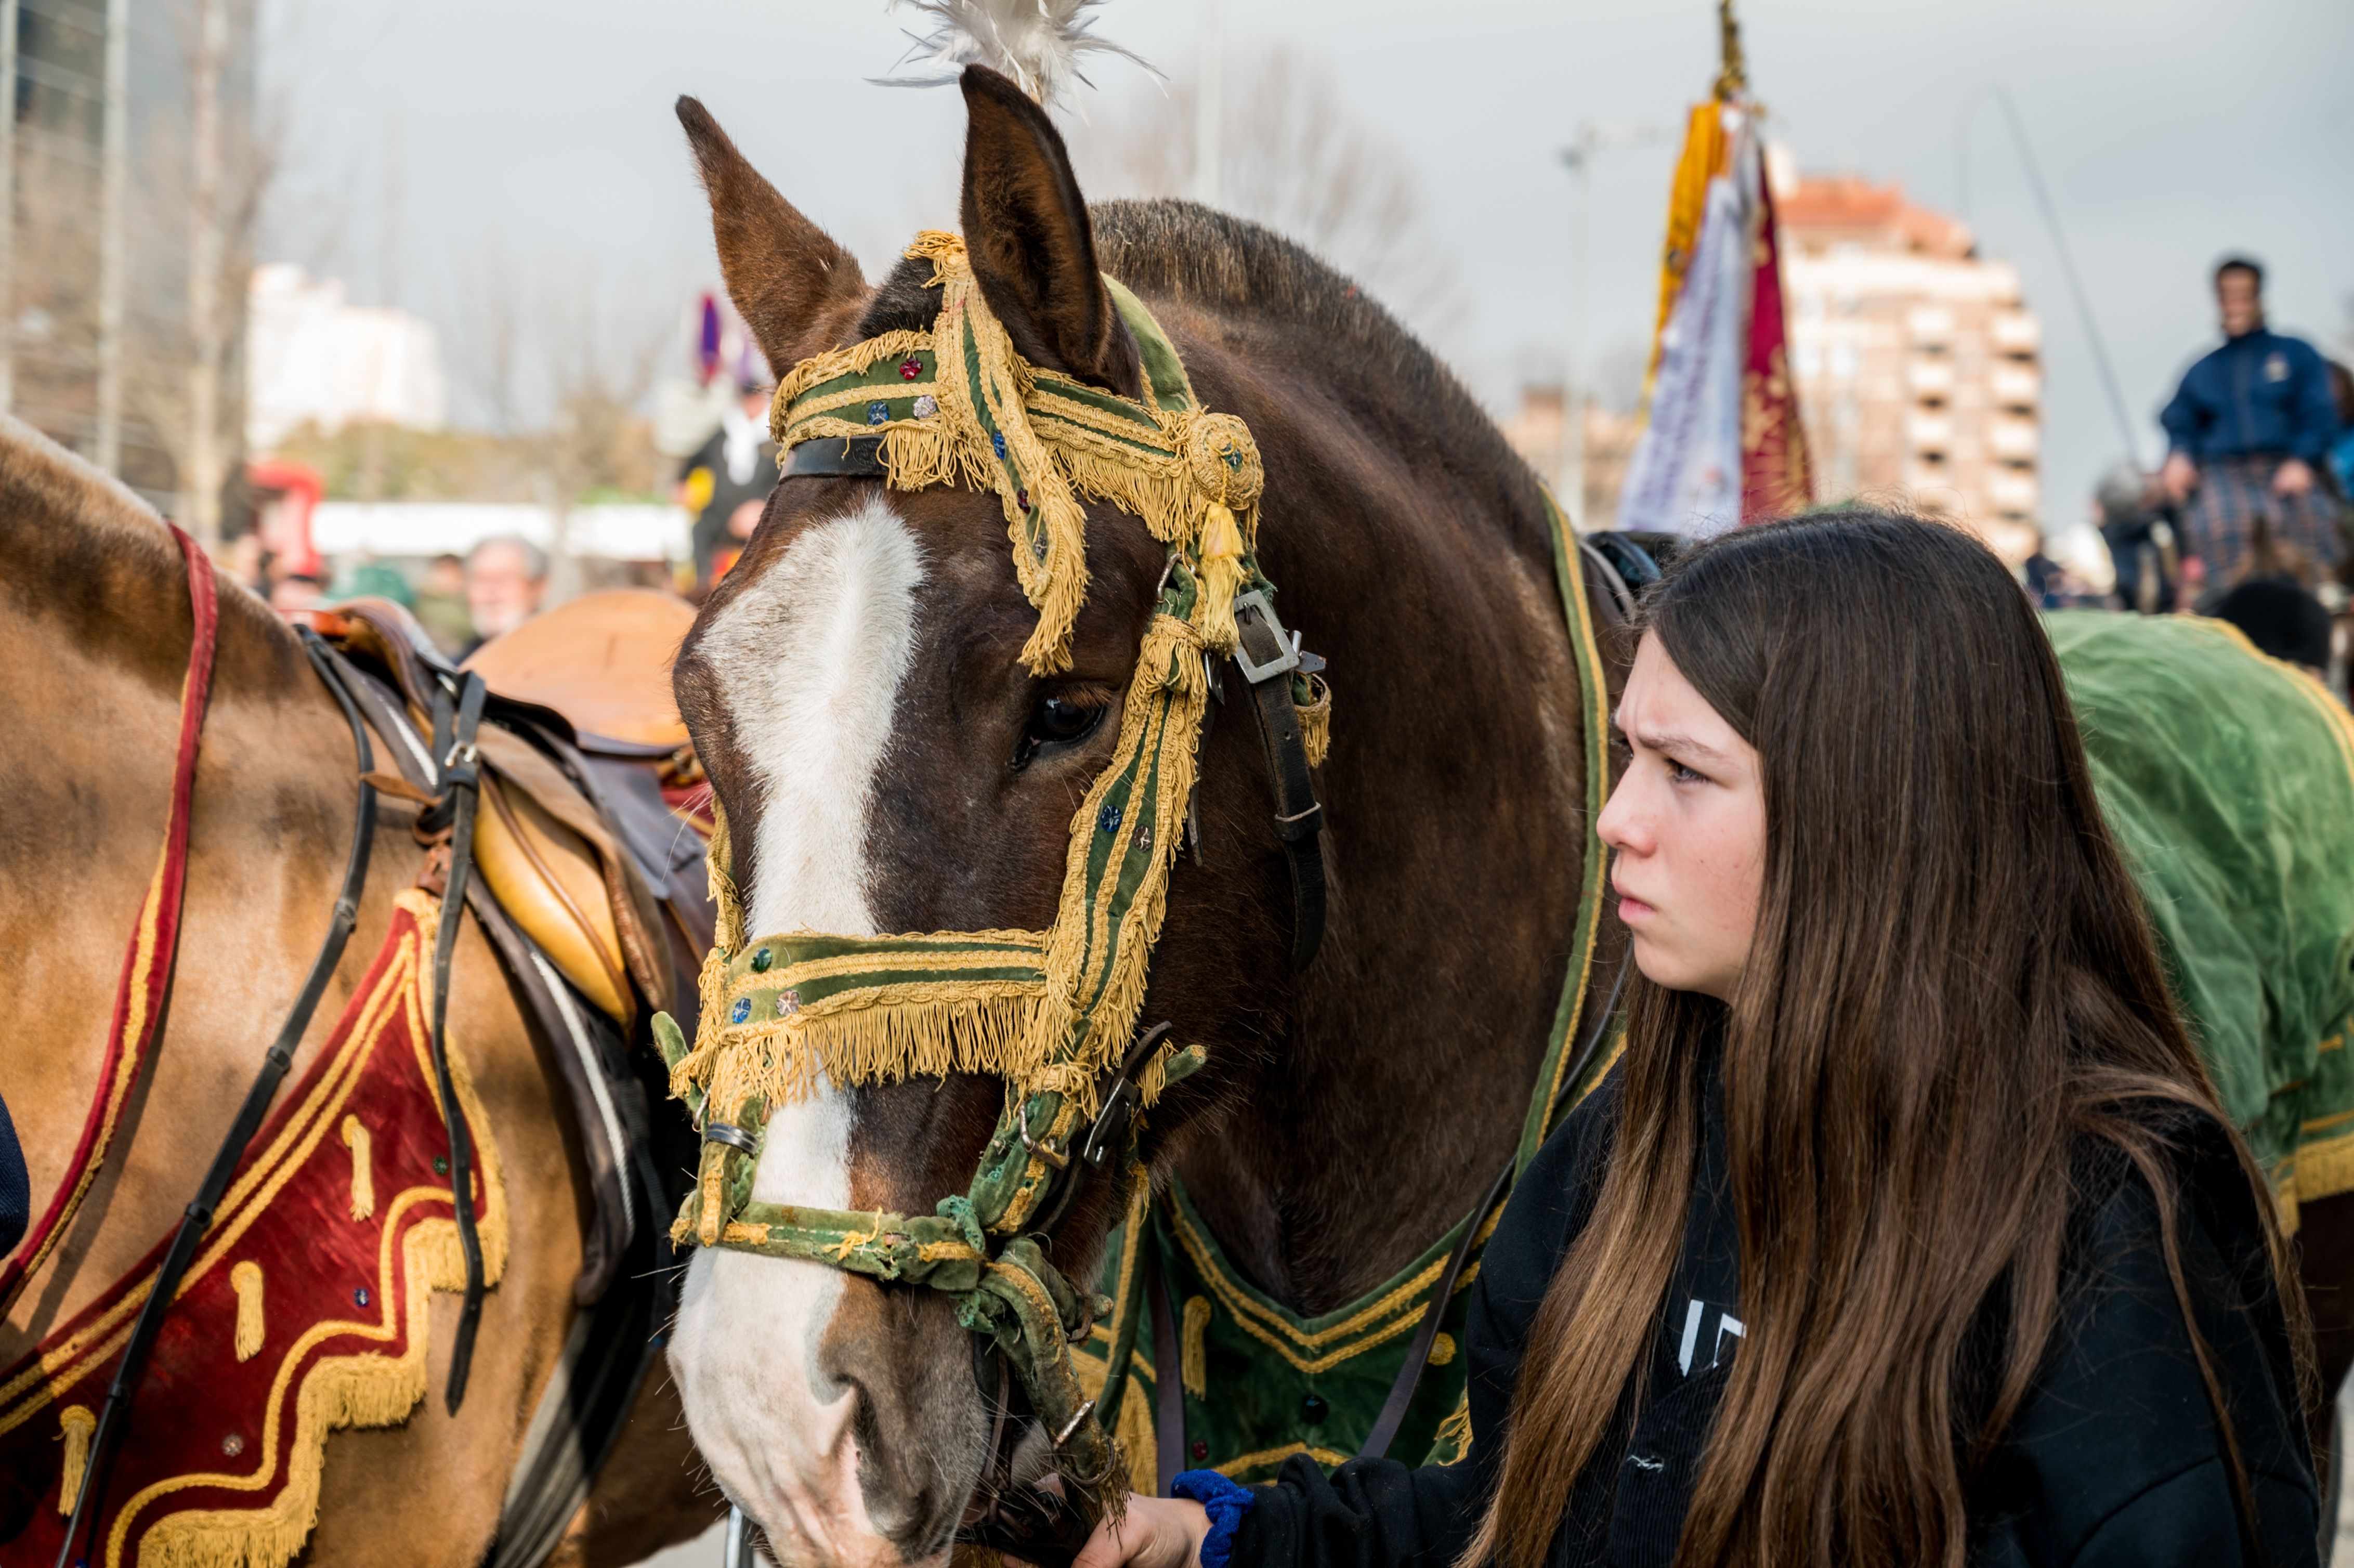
(306, 1309)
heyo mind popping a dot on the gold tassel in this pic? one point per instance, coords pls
(356, 1139)
(1194, 1361)
(1222, 577)
(1316, 721)
(76, 1424)
(246, 1280)
(1442, 1349)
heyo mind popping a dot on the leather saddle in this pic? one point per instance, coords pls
(575, 838)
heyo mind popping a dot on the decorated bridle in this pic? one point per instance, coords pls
(1053, 1013)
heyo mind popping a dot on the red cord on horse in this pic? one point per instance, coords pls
(148, 962)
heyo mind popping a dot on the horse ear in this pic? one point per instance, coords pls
(1032, 249)
(790, 280)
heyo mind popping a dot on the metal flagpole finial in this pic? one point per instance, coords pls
(1732, 72)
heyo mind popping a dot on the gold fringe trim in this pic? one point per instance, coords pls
(1191, 477)
(1024, 1032)
(1193, 1362)
(1456, 1429)
(1194, 479)
(246, 1280)
(363, 1147)
(75, 1424)
(909, 1032)
(368, 1389)
(1096, 973)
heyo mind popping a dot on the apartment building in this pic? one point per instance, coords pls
(1916, 358)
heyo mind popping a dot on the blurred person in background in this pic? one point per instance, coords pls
(2282, 618)
(297, 592)
(2341, 453)
(2248, 431)
(373, 580)
(2132, 504)
(727, 483)
(441, 605)
(506, 577)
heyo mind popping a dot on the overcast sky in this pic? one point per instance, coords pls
(2169, 131)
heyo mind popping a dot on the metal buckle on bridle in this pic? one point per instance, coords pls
(731, 1135)
(1255, 602)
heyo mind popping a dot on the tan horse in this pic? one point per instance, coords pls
(95, 636)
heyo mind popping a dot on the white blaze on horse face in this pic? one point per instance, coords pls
(809, 658)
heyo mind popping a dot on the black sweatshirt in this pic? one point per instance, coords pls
(2113, 1459)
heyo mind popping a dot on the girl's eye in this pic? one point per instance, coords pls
(1683, 775)
(1057, 721)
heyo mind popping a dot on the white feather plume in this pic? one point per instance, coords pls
(1037, 43)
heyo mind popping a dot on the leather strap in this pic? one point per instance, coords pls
(1298, 815)
(275, 1062)
(850, 457)
(1167, 1375)
(1425, 1333)
(1417, 1356)
(453, 749)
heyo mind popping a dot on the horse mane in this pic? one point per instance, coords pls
(1238, 269)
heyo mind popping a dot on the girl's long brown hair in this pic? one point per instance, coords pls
(1952, 988)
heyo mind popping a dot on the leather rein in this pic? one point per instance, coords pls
(455, 722)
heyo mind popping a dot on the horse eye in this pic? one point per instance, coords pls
(1057, 721)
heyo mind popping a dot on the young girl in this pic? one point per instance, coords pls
(1906, 1229)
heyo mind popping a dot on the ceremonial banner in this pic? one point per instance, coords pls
(1776, 478)
(306, 1308)
(1722, 443)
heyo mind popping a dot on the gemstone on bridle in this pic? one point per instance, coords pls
(788, 1003)
(997, 444)
(1109, 817)
(926, 406)
(878, 412)
(742, 1011)
(910, 368)
(761, 959)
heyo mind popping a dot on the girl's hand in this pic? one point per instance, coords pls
(1157, 1532)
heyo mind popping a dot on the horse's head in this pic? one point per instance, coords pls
(887, 763)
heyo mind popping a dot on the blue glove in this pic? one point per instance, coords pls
(1223, 1501)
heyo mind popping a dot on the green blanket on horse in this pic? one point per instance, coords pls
(2228, 779)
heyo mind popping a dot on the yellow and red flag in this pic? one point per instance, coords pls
(1722, 443)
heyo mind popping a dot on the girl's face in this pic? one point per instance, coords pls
(1688, 821)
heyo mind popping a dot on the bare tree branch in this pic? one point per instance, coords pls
(1296, 159)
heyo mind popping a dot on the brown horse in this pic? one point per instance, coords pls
(888, 766)
(95, 629)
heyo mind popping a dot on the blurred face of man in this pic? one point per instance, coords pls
(501, 592)
(2241, 306)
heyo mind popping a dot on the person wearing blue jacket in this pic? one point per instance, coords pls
(2248, 429)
